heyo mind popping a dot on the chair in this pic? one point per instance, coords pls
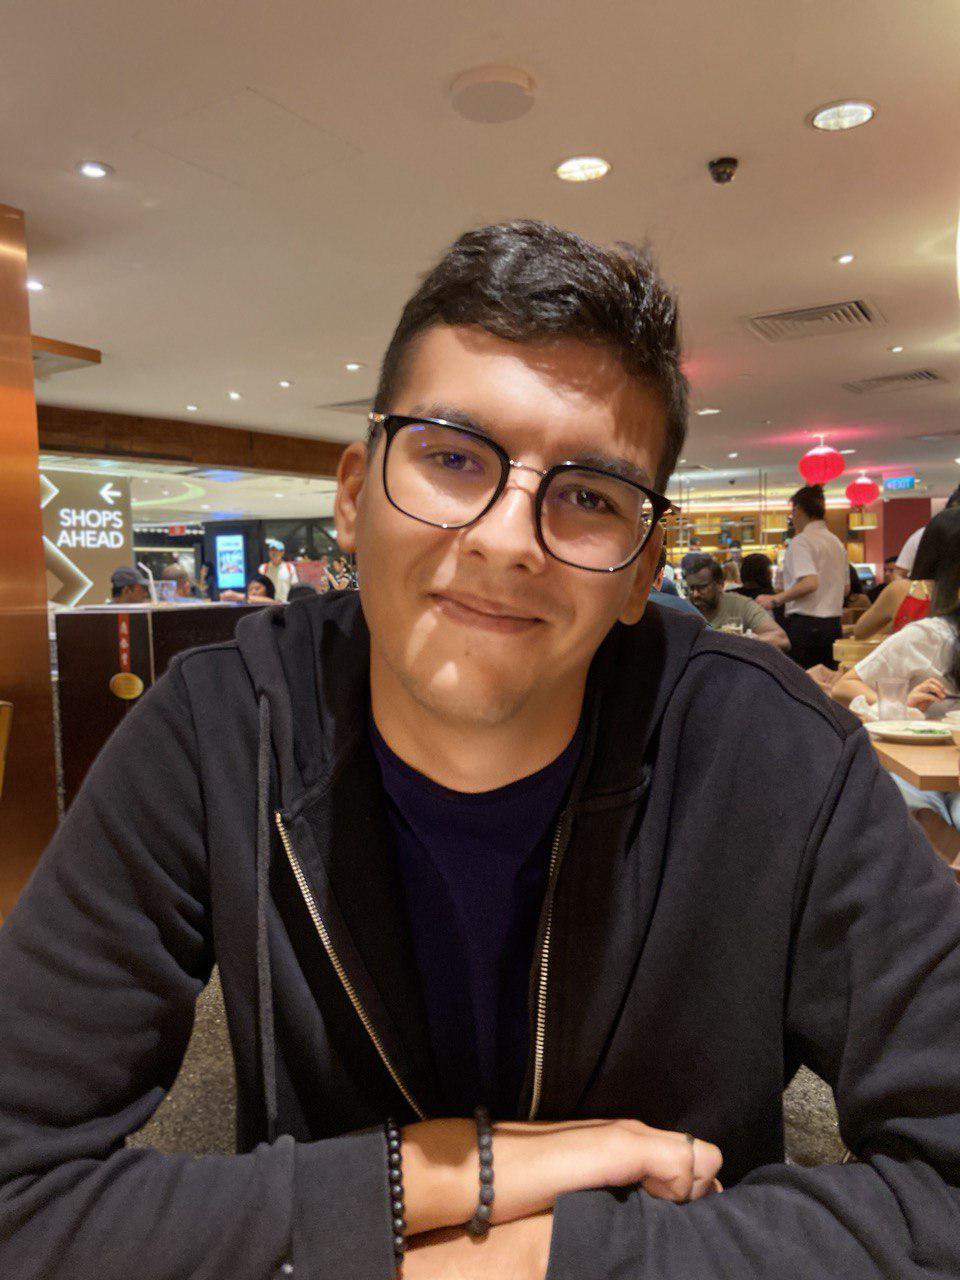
(6, 720)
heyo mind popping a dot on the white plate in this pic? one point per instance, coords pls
(918, 733)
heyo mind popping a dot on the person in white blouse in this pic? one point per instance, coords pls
(927, 655)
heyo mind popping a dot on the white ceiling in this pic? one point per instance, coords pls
(286, 171)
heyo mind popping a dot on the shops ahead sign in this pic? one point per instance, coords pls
(86, 534)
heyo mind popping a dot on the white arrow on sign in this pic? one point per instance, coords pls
(108, 493)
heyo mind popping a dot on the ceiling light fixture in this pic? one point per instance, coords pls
(706, 413)
(837, 117)
(94, 169)
(896, 350)
(192, 408)
(278, 495)
(205, 506)
(285, 384)
(492, 94)
(844, 259)
(35, 286)
(234, 395)
(846, 451)
(353, 366)
(582, 169)
(733, 455)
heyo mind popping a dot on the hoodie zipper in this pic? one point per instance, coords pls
(540, 1040)
(341, 973)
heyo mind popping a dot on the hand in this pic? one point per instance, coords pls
(537, 1162)
(514, 1251)
(926, 694)
(767, 602)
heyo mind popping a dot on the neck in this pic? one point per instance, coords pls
(466, 756)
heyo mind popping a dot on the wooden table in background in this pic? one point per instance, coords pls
(929, 768)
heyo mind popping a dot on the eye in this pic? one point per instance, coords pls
(588, 500)
(454, 460)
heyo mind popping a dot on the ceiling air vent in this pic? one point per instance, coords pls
(893, 382)
(814, 322)
(359, 408)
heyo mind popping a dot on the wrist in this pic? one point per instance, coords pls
(440, 1167)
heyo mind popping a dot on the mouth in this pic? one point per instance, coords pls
(484, 615)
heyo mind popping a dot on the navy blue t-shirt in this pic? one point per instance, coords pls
(474, 871)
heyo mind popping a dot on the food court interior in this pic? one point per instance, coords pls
(211, 214)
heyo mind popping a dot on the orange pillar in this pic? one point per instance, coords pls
(28, 804)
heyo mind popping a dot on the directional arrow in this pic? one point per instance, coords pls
(108, 493)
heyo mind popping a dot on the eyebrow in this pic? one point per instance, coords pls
(613, 463)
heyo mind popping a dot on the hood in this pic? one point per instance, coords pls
(310, 660)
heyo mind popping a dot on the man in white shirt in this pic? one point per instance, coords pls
(282, 573)
(816, 577)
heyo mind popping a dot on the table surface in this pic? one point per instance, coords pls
(929, 768)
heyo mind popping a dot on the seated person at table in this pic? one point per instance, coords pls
(392, 816)
(668, 599)
(927, 655)
(906, 600)
(260, 590)
(727, 611)
(756, 576)
(890, 574)
(731, 575)
(856, 597)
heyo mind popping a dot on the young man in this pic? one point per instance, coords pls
(816, 581)
(725, 609)
(282, 573)
(455, 840)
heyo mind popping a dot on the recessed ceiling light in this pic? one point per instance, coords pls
(582, 169)
(733, 455)
(278, 495)
(847, 451)
(192, 408)
(353, 366)
(836, 117)
(683, 462)
(706, 413)
(234, 395)
(35, 286)
(284, 383)
(165, 492)
(896, 350)
(94, 169)
(205, 506)
(844, 259)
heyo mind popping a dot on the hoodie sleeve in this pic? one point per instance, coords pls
(102, 960)
(874, 1007)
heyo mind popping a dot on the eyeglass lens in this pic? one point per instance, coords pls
(448, 477)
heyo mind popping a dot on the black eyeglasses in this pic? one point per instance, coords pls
(450, 476)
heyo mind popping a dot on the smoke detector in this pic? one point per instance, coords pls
(492, 94)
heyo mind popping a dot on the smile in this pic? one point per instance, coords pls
(483, 615)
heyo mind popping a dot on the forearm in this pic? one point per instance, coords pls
(776, 636)
(848, 687)
(802, 587)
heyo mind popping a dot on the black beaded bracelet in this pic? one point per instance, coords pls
(479, 1224)
(395, 1174)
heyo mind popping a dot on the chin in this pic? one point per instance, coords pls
(471, 698)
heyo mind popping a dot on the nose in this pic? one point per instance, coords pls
(507, 535)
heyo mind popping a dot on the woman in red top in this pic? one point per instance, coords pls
(905, 601)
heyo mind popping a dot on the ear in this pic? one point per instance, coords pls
(351, 476)
(636, 601)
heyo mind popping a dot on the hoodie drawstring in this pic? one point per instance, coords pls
(264, 974)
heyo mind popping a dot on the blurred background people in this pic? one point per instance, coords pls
(727, 611)
(282, 573)
(129, 586)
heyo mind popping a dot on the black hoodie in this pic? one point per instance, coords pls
(738, 889)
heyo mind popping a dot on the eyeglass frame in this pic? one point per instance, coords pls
(393, 423)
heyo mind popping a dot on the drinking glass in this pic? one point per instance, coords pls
(892, 694)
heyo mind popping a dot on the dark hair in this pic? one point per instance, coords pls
(811, 501)
(265, 582)
(938, 544)
(953, 500)
(756, 571)
(661, 560)
(890, 560)
(528, 281)
(705, 562)
(302, 591)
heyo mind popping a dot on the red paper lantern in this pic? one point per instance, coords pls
(861, 492)
(820, 465)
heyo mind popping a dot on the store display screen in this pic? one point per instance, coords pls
(231, 569)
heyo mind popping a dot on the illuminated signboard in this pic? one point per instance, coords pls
(231, 564)
(86, 533)
(900, 482)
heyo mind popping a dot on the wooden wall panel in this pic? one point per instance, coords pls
(127, 435)
(28, 806)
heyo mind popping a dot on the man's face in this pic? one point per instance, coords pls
(256, 591)
(889, 572)
(137, 593)
(479, 625)
(276, 555)
(704, 590)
